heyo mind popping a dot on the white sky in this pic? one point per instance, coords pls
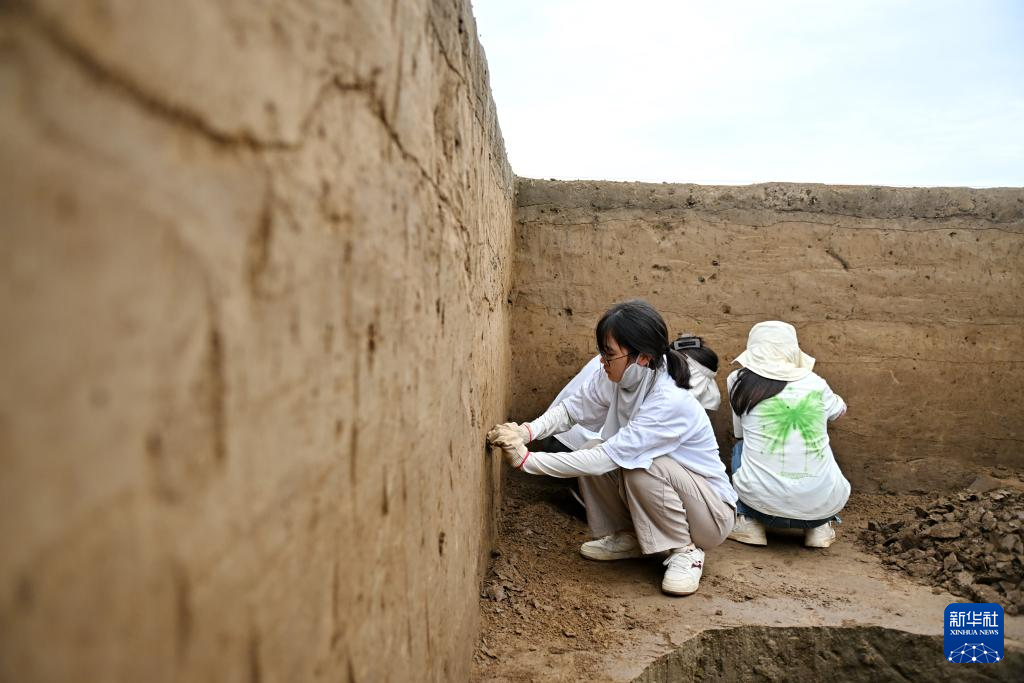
(887, 92)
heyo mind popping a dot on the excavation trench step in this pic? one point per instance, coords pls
(815, 654)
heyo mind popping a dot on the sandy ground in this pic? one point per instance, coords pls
(549, 614)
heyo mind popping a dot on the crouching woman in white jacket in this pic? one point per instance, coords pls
(782, 464)
(653, 482)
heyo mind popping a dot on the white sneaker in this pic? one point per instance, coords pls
(820, 536)
(749, 531)
(683, 574)
(618, 546)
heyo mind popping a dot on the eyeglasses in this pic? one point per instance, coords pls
(608, 361)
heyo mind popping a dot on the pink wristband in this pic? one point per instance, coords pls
(524, 460)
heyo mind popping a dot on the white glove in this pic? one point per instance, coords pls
(515, 454)
(509, 429)
(509, 438)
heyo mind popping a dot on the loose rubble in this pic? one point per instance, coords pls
(539, 594)
(971, 544)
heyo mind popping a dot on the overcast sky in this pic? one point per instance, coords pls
(888, 92)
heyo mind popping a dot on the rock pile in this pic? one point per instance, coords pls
(971, 544)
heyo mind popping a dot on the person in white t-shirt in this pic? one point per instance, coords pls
(701, 361)
(782, 465)
(653, 481)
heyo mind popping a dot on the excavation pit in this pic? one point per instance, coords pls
(781, 612)
(812, 654)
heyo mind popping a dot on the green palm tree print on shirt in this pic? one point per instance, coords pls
(779, 417)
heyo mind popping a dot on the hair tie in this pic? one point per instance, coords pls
(685, 342)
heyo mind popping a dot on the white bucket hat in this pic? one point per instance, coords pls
(773, 352)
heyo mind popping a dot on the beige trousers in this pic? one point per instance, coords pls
(667, 505)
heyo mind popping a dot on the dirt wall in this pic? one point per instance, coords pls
(912, 301)
(254, 280)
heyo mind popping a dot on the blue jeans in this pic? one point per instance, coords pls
(771, 520)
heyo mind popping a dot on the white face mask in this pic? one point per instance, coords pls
(629, 394)
(632, 376)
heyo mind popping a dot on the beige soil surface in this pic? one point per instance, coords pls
(548, 614)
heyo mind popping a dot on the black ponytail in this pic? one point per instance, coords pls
(639, 329)
(678, 369)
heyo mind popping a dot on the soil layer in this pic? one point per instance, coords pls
(865, 654)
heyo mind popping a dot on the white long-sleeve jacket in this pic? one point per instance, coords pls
(670, 422)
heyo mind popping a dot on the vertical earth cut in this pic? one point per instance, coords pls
(912, 301)
(257, 289)
(255, 277)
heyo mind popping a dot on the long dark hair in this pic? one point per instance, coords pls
(750, 388)
(638, 328)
